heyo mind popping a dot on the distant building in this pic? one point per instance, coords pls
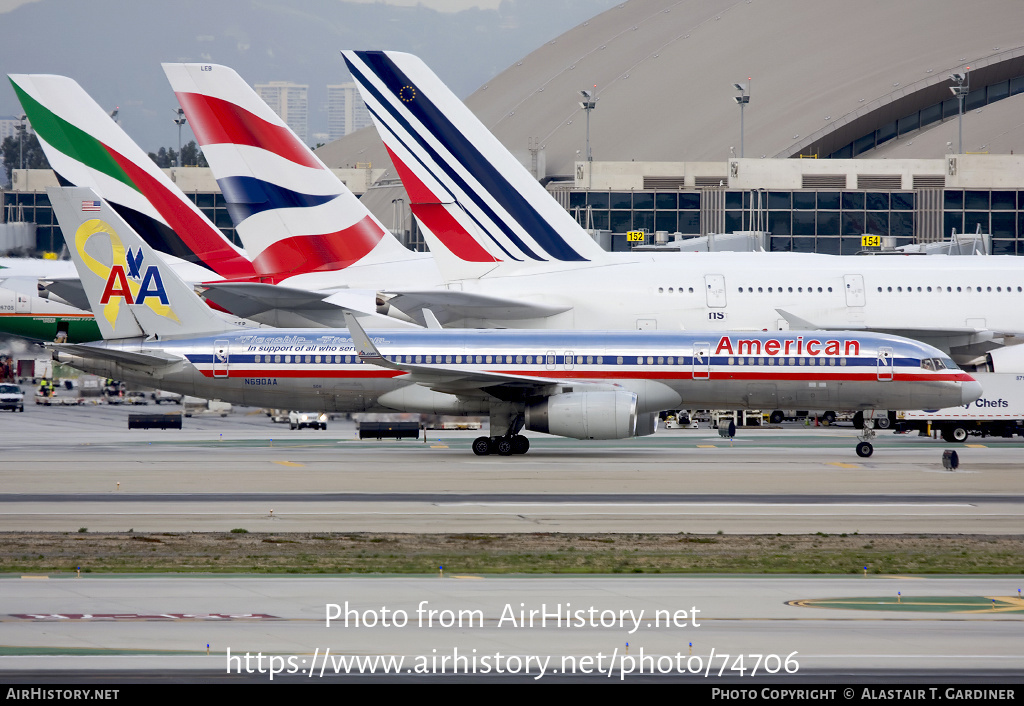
(290, 101)
(9, 125)
(346, 111)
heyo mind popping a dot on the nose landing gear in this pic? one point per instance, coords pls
(864, 447)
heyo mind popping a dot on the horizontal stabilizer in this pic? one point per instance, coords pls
(276, 305)
(70, 290)
(450, 305)
(150, 358)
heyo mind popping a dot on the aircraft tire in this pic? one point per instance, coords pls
(504, 446)
(481, 446)
(777, 417)
(520, 444)
(864, 449)
(829, 418)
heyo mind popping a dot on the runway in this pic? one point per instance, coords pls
(66, 468)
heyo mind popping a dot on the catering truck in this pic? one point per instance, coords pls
(998, 412)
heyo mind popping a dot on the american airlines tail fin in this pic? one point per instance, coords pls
(131, 289)
(291, 212)
(477, 204)
(86, 147)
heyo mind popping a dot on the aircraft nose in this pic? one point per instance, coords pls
(970, 391)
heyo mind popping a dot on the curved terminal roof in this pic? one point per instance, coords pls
(823, 72)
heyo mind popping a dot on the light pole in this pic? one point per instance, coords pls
(179, 121)
(588, 104)
(742, 99)
(960, 90)
(21, 141)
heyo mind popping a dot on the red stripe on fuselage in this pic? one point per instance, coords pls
(320, 252)
(242, 373)
(215, 121)
(716, 376)
(201, 237)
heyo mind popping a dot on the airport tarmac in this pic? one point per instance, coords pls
(691, 625)
(66, 468)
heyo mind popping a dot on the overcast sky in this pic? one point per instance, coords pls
(114, 49)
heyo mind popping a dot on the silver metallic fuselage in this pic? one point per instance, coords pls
(318, 369)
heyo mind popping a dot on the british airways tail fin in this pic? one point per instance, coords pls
(291, 212)
(476, 203)
(131, 289)
(86, 148)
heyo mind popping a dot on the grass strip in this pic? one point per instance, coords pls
(535, 553)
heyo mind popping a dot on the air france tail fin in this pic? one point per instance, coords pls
(291, 212)
(131, 289)
(474, 200)
(86, 148)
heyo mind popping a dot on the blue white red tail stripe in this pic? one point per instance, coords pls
(248, 195)
(289, 209)
(215, 121)
(421, 117)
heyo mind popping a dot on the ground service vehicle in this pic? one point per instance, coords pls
(998, 412)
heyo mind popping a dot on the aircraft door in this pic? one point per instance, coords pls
(567, 362)
(885, 363)
(550, 360)
(715, 288)
(854, 285)
(701, 361)
(22, 305)
(220, 358)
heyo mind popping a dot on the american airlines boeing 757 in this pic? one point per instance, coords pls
(578, 384)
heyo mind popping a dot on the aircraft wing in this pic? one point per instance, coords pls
(449, 305)
(153, 358)
(456, 380)
(799, 324)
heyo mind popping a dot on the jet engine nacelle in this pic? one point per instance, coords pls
(585, 415)
(1008, 359)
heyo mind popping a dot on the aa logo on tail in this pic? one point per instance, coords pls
(127, 279)
(118, 282)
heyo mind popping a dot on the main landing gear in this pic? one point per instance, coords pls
(501, 445)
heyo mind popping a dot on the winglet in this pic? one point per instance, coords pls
(431, 320)
(367, 352)
(796, 323)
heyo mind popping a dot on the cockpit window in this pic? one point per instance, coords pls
(927, 364)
